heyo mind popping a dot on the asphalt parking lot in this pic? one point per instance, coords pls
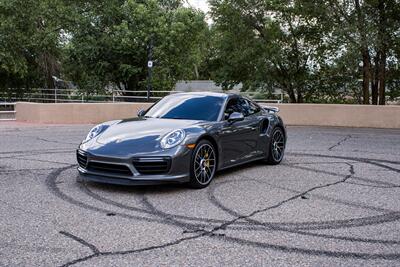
(334, 201)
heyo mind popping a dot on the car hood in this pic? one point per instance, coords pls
(136, 136)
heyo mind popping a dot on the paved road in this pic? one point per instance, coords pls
(334, 201)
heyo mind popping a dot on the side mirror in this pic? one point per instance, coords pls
(141, 113)
(236, 116)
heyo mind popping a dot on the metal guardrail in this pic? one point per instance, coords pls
(254, 97)
(75, 96)
(7, 111)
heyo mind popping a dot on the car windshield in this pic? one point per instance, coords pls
(187, 107)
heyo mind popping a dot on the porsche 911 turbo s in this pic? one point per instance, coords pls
(185, 138)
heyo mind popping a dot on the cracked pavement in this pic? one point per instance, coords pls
(334, 201)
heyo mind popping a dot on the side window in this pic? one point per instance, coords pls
(245, 107)
(254, 107)
(241, 105)
(248, 107)
(231, 107)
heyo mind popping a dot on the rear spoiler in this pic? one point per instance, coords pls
(271, 109)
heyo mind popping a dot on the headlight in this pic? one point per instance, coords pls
(95, 131)
(173, 139)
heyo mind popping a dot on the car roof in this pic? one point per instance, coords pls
(205, 93)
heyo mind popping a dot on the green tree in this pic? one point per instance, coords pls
(31, 34)
(109, 43)
(371, 27)
(270, 42)
(307, 48)
(98, 43)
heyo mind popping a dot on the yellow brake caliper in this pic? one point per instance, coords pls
(207, 160)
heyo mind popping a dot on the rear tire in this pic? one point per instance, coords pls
(276, 146)
(203, 165)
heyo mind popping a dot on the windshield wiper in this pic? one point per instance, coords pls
(172, 118)
(178, 118)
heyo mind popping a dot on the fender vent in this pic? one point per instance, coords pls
(264, 126)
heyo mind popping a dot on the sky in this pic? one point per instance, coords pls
(200, 4)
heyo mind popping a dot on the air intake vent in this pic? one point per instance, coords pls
(264, 126)
(152, 165)
(109, 168)
(81, 157)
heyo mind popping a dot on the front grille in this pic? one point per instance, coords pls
(81, 157)
(109, 168)
(152, 165)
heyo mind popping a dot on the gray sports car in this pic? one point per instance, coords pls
(184, 137)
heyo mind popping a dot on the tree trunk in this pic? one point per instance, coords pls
(364, 51)
(375, 80)
(366, 75)
(382, 78)
(46, 61)
(196, 71)
(299, 96)
(292, 95)
(383, 41)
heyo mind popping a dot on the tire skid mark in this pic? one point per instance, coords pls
(44, 161)
(376, 162)
(133, 251)
(15, 155)
(150, 211)
(339, 175)
(92, 247)
(284, 226)
(52, 186)
(279, 204)
(172, 219)
(374, 186)
(54, 141)
(311, 252)
(340, 142)
(41, 151)
(389, 216)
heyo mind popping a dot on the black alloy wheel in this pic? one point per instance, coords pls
(203, 164)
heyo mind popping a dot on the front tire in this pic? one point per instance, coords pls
(203, 165)
(276, 147)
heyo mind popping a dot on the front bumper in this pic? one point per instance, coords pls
(122, 171)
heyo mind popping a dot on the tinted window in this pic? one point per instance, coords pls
(249, 107)
(232, 106)
(188, 107)
(241, 105)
